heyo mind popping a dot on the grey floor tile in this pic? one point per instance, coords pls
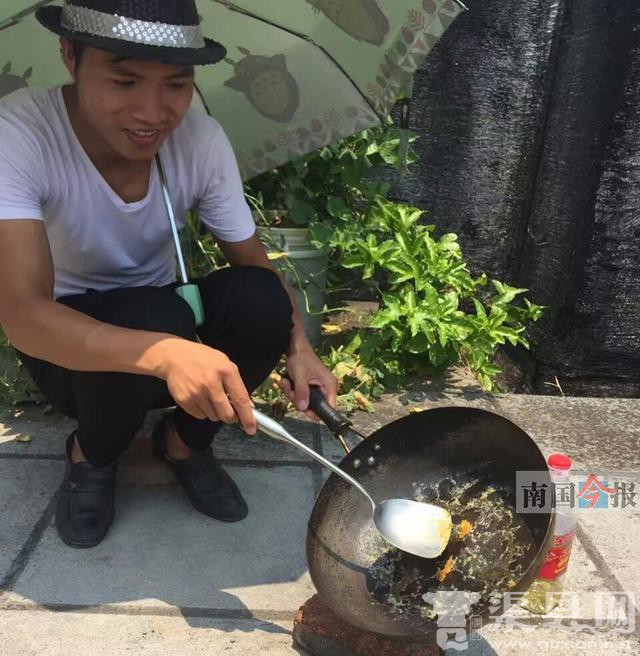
(545, 641)
(160, 551)
(615, 536)
(41, 633)
(48, 433)
(26, 487)
(233, 442)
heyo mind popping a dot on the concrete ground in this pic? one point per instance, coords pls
(168, 580)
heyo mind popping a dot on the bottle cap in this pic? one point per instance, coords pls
(560, 462)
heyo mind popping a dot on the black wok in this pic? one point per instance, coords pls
(449, 456)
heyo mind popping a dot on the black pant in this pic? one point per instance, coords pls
(247, 316)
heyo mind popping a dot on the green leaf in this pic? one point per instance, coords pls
(506, 293)
(410, 299)
(451, 303)
(301, 212)
(353, 261)
(354, 344)
(410, 216)
(480, 311)
(430, 293)
(400, 278)
(505, 331)
(382, 319)
(449, 242)
(414, 325)
(418, 344)
(369, 270)
(385, 251)
(437, 355)
(443, 337)
(391, 301)
(338, 208)
(401, 238)
(496, 317)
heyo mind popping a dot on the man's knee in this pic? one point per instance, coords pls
(276, 318)
(264, 309)
(280, 312)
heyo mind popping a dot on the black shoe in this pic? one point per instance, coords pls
(85, 503)
(209, 488)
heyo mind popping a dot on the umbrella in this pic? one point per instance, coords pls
(298, 75)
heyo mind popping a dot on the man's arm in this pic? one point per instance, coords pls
(200, 379)
(303, 365)
(38, 326)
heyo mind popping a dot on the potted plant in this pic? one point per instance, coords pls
(302, 265)
(295, 206)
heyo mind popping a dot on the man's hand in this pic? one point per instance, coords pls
(305, 368)
(206, 384)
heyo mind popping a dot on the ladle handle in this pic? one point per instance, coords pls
(272, 428)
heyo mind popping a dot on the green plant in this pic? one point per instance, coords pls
(432, 313)
(15, 383)
(201, 252)
(332, 182)
(358, 383)
(269, 392)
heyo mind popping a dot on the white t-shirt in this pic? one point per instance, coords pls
(97, 240)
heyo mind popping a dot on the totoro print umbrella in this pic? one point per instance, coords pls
(298, 74)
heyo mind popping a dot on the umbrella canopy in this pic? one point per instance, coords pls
(298, 75)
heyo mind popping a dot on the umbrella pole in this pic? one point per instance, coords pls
(189, 292)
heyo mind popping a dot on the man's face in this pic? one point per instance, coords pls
(131, 105)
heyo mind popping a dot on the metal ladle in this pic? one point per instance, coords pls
(418, 528)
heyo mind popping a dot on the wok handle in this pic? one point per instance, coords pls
(334, 421)
(337, 423)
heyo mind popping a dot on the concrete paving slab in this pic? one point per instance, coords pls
(160, 551)
(41, 633)
(26, 487)
(543, 640)
(594, 432)
(48, 433)
(615, 536)
(233, 443)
